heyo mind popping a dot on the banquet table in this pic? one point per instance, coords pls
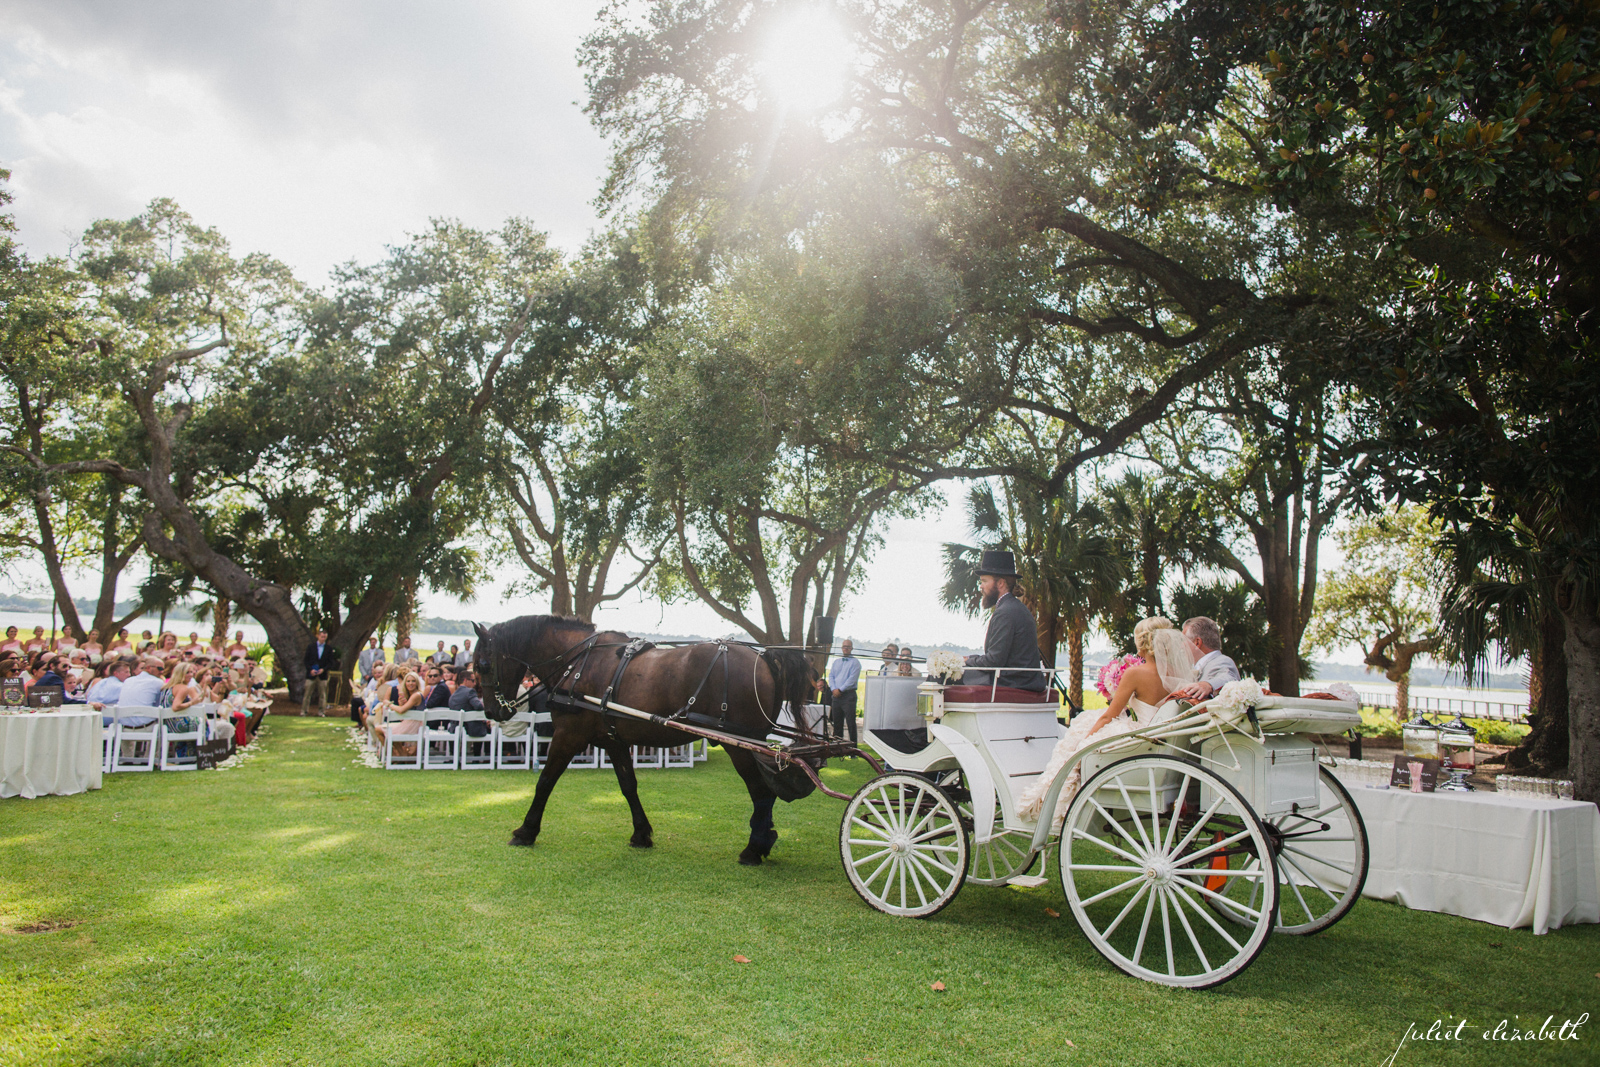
(1509, 860)
(49, 752)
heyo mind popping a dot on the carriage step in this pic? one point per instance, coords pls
(1027, 881)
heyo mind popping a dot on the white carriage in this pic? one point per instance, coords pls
(1187, 843)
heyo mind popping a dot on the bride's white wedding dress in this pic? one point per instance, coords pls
(1077, 735)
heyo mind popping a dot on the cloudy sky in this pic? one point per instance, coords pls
(319, 133)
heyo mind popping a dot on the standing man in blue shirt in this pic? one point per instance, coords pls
(842, 678)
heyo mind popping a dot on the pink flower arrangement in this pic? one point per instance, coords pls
(1111, 674)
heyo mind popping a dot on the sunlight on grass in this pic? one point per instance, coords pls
(489, 800)
(325, 843)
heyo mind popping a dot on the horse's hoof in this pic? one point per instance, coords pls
(518, 841)
(773, 840)
(750, 857)
(644, 843)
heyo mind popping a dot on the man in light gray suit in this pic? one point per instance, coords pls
(1212, 669)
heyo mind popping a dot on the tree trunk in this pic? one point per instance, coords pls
(1402, 698)
(1047, 633)
(52, 565)
(406, 613)
(1546, 749)
(1075, 664)
(1582, 647)
(359, 625)
(221, 613)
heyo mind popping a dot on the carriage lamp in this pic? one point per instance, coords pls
(1420, 738)
(930, 701)
(1456, 739)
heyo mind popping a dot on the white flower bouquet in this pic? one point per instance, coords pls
(1234, 700)
(946, 667)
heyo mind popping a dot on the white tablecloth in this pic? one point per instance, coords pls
(49, 752)
(1511, 861)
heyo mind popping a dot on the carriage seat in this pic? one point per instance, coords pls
(1302, 715)
(983, 694)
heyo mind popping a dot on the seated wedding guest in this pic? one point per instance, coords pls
(92, 647)
(410, 697)
(37, 642)
(10, 664)
(238, 650)
(42, 672)
(11, 644)
(381, 688)
(168, 643)
(890, 655)
(466, 698)
(438, 691)
(107, 693)
(121, 644)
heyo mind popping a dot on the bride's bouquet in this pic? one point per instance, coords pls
(946, 667)
(1111, 674)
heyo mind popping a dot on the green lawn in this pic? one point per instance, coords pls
(304, 909)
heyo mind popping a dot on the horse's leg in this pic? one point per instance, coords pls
(564, 745)
(621, 757)
(762, 834)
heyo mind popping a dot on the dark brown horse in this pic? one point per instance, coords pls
(750, 686)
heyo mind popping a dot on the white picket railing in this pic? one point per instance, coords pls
(1471, 708)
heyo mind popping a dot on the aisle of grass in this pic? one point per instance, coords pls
(303, 909)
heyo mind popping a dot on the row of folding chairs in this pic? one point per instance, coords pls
(157, 739)
(442, 743)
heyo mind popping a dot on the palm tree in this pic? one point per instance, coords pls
(1499, 600)
(1069, 569)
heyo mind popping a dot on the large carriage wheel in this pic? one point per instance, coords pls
(903, 845)
(1322, 862)
(1139, 863)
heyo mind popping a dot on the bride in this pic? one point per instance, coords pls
(1168, 664)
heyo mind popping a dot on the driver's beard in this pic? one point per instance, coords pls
(992, 597)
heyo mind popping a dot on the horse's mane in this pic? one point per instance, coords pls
(521, 633)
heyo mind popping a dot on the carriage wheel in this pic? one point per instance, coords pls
(1322, 863)
(903, 845)
(1005, 855)
(1139, 863)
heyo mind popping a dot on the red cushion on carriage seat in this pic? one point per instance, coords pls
(981, 694)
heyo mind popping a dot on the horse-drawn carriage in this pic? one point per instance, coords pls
(1188, 842)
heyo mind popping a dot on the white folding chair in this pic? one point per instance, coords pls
(108, 740)
(442, 745)
(138, 739)
(541, 742)
(186, 727)
(477, 753)
(588, 759)
(646, 756)
(515, 753)
(680, 756)
(393, 761)
(701, 750)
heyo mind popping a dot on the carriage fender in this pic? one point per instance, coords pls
(980, 783)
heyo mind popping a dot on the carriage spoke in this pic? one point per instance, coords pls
(1126, 908)
(1172, 823)
(888, 862)
(1083, 835)
(1311, 877)
(1155, 808)
(1214, 846)
(1144, 930)
(1137, 821)
(881, 830)
(1119, 827)
(1254, 913)
(1206, 915)
(1098, 897)
(1194, 942)
(916, 873)
(1317, 859)
(1177, 849)
(1103, 867)
(1166, 930)
(870, 858)
(1310, 915)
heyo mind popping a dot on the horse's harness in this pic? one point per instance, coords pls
(562, 699)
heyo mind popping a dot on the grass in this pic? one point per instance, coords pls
(302, 909)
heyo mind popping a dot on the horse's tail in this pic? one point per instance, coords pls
(792, 672)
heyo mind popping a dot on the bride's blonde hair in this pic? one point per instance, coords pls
(1144, 635)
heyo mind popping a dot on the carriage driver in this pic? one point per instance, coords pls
(1012, 639)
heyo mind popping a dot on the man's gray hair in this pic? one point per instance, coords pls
(1204, 631)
